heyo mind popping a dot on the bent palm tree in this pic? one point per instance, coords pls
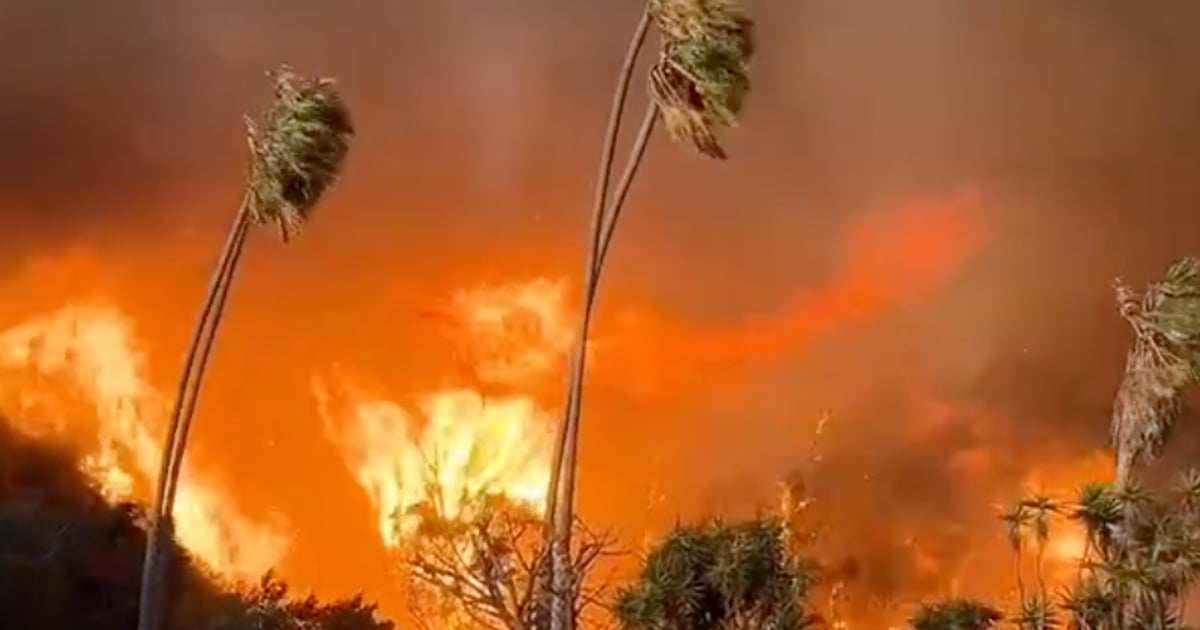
(698, 84)
(297, 151)
(1164, 359)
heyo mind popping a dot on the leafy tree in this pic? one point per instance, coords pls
(69, 560)
(297, 151)
(697, 84)
(720, 577)
(955, 614)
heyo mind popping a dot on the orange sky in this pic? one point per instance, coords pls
(923, 204)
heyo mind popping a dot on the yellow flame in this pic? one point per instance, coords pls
(458, 446)
(90, 351)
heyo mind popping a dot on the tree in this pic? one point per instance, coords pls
(698, 84)
(955, 614)
(297, 151)
(1016, 520)
(720, 577)
(479, 569)
(1141, 556)
(1164, 359)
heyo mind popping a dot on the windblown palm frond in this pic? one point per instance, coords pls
(1164, 359)
(298, 150)
(701, 79)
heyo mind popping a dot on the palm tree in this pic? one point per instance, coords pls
(1164, 359)
(698, 83)
(1097, 510)
(955, 614)
(1041, 508)
(297, 151)
(733, 577)
(1016, 520)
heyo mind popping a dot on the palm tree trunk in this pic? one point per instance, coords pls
(185, 420)
(160, 534)
(1041, 579)
(614, 212)
(1020, 575)
(577, 356)
(564, 516)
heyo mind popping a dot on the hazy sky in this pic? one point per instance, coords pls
(1075, 121)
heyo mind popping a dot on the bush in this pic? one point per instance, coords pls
(720, 577)
(71, 561)
(956, 614)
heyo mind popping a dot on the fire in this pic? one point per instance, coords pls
(514, 333)
(456, 446)
(460, 443)
(89, 351)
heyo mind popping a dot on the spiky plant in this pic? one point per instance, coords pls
(1164, 359)
(955, 614)
(1089, 605)
(697, 85)
(297, 149)
(1036, 613)
(720, 577)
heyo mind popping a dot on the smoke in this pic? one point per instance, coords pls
(1074, 122)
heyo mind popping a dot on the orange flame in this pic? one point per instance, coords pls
(90, 351)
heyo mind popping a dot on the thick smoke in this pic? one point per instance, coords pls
(1075, 121)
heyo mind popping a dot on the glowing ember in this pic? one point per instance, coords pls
(90, 352)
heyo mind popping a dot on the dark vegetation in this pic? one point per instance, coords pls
(69, 560)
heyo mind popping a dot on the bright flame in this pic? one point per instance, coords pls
(460, 443)
(460, 446)
(91, 349)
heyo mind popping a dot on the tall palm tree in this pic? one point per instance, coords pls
(297, 150)
(1164, 359)
(1041, 508)
(1017, 519)
(698, 84)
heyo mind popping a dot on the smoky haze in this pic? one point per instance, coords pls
(1076, 122)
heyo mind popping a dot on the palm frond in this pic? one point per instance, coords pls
(1037, 614)
(702, 78)
(1089, 605)
(298, 148)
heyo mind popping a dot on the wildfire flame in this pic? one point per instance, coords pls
(458, 446)
(89, 351)
(460, 443)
